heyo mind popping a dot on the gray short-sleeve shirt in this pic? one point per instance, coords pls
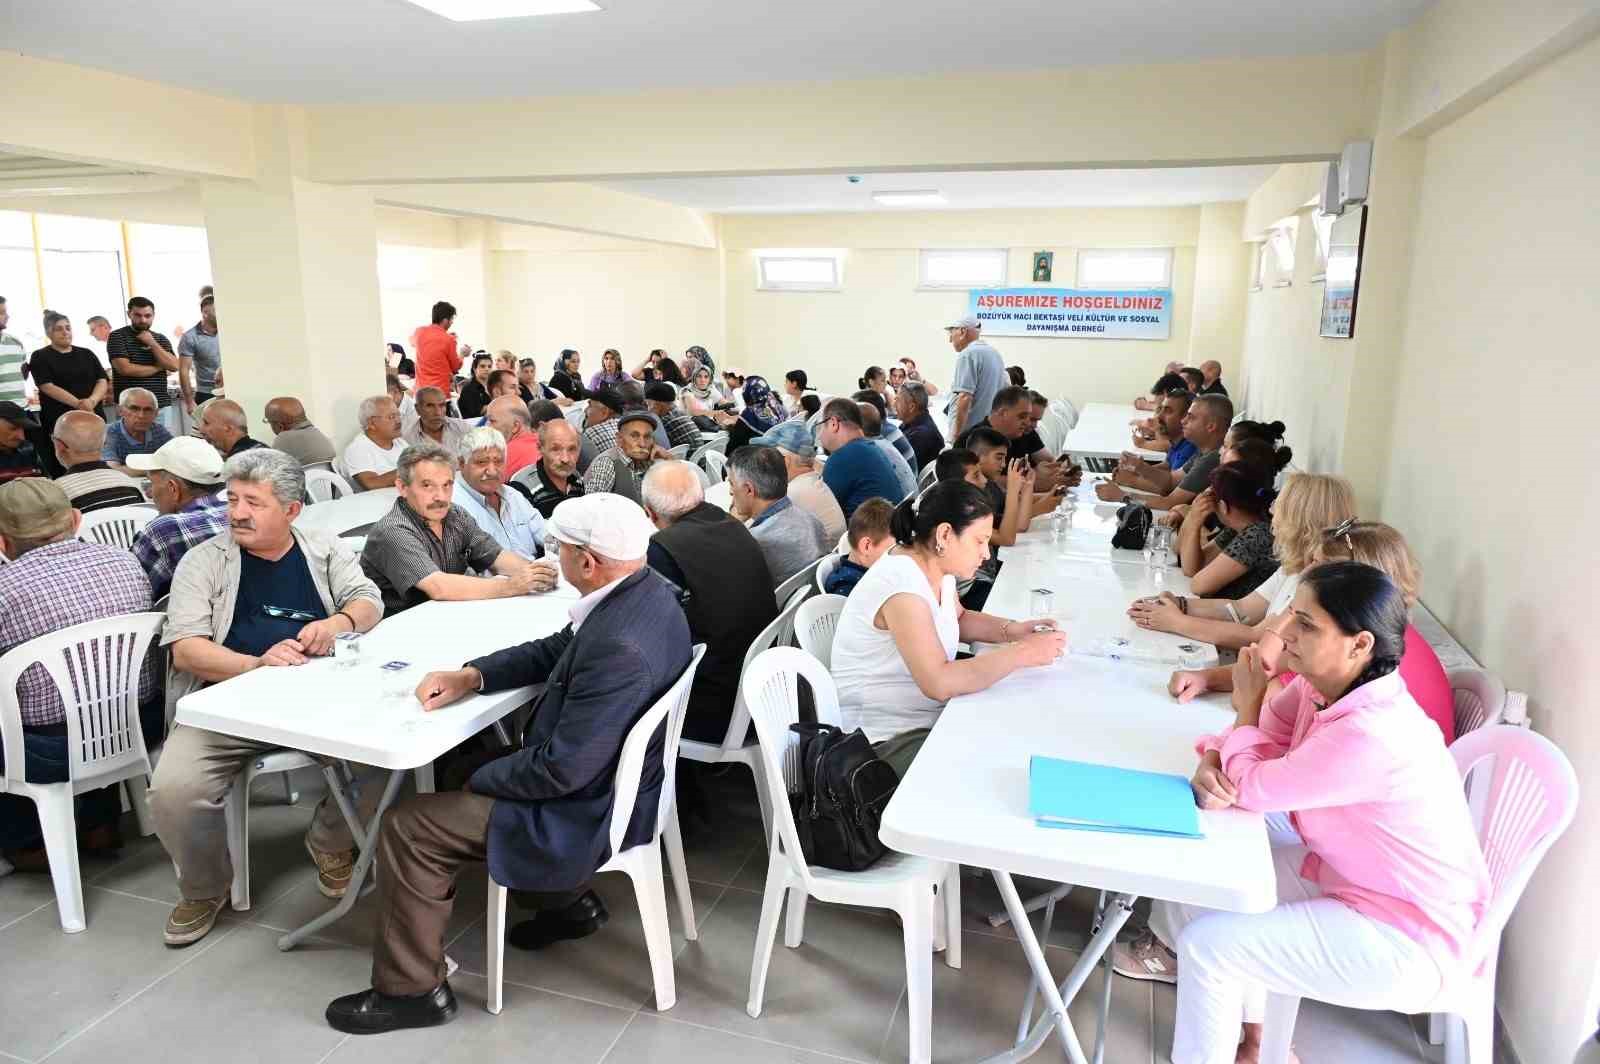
(980, 372)
(202, 347)
(402, 550)
(1197, 471)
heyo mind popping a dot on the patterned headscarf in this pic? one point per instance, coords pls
(762, 409)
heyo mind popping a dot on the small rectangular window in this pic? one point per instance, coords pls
(1278, 269)
(800, 269)
(1125, 268)
(1323, 224)
(962, 268)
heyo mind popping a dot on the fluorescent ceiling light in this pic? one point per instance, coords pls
(481, 10)
(928, 197)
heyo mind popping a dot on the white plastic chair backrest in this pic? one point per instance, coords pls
(1480, 699)
(680, 451)
(328, 465)
(718, 445)
(574, 414)
(770, 686)
(716, 464)
(116, 526)
(739, 722)
(925, 477)
(324, 484)
(825, 569)
(814, 625)
(705, 478)
(95, 667)
(1068, 412)
(671, 707)
(1530, 796)
(801, 580)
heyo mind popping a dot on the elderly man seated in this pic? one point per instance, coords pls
(433, 423)
(661, 399)
(89, 482)
(793, 442)
(509, 415)
(265, 594)
(53, 581)
(225, 427)
(371, 458)
(136, 430)
(184, 477)
(724, 581)
(426, 546)
(540, 816)
(789, 537)
(911, 407)
(294, 434)
(555, 476)
(17, 456)
(481, 491)
(622, 468)
(599, 433)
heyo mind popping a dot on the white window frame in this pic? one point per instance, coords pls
(994, 256)
(1087, 255)
(1258, 266)
(1275, 255)
(1322, 224)
(833, 256)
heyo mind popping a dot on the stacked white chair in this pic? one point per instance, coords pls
(642, 863)
(116, 526)
(925, 893)
(95, 668)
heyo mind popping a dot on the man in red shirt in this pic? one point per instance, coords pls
(437, 358)
(509, 414)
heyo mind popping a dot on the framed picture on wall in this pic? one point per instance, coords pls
(1343, 285)
(1043, 266)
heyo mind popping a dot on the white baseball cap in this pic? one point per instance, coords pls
(968, 322)
(608, 524)
(192, 459)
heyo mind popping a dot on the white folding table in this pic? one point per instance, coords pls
(338, 516)
(368, 715)
(965, 799)
(1104, 430)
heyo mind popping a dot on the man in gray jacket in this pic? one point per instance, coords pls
(790, 537)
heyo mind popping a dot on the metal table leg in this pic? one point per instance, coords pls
(1056, 998)
(367, 842)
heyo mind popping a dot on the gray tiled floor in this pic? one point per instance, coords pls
(114, 993)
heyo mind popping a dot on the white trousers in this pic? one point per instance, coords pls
(1309, 946)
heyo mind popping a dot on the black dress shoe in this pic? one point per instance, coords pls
(579, 920)
(370, 1012)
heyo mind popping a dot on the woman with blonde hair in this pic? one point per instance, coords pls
(1309, 505)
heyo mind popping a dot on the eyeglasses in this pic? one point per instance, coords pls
(284, 613)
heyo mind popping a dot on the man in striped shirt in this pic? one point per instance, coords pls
(13, 360)
(185, 475)
(89, 482)
(140, 356)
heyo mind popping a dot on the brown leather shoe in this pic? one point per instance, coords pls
(33, 861)
(333, 870)
(193, 920)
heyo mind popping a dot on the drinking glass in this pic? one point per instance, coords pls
(1042, 603)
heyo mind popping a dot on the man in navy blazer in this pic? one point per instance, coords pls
(541, 815)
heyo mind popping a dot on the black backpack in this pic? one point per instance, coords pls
(843, 790)
(1133, 524)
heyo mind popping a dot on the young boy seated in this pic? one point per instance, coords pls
(869, 540)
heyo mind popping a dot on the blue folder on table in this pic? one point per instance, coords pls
(1086, 797)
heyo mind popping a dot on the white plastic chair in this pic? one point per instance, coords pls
(1068, 412)
(642, 863)
(716, 463)
(1529, 796)
(733, 747)
(905, 884)
(718, 445)
(116, 526)
(95, 668)
(925, 477)
(1480, 699)
(323, 485)
(575, 414)
(814, 624)
(802, 580)
(679, 452)
(825, 569)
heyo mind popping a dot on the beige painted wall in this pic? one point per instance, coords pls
(1503, 526)
(881, 315)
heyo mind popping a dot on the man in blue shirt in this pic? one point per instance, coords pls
(507, 516)
(856, 470)
(135, 431)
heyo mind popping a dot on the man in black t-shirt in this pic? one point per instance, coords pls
(140, 356)
(1012, 416)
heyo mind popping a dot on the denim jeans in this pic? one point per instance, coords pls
(44, 755)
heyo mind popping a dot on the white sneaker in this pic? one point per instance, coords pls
(1147, 958)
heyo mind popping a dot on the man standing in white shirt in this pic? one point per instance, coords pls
(371, 457)
(979, 373)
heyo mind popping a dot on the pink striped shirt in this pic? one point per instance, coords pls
(1378, 800)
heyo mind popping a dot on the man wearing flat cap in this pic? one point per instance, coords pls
(621, 469)
(540, 816)
(661, 399)
(17, 456)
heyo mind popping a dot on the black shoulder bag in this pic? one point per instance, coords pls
(843, 790)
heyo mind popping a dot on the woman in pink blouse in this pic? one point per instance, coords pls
(1389, 883)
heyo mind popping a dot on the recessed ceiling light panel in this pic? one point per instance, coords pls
(483, 10)
(927, 197)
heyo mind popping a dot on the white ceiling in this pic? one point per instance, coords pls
(316, 51)
(963, 190)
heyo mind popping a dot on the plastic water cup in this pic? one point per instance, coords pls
(346, 649)
(1192, 656)
(1042, 602)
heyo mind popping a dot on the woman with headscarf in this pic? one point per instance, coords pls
(762, 411)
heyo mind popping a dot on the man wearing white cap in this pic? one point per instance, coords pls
(540, 816)
(980, 372)
(185, 475)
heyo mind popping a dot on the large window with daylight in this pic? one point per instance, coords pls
(170, 264)
(1125, 268)
(799, 269)
(19, 279)
(962, 268)
(83, 271)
